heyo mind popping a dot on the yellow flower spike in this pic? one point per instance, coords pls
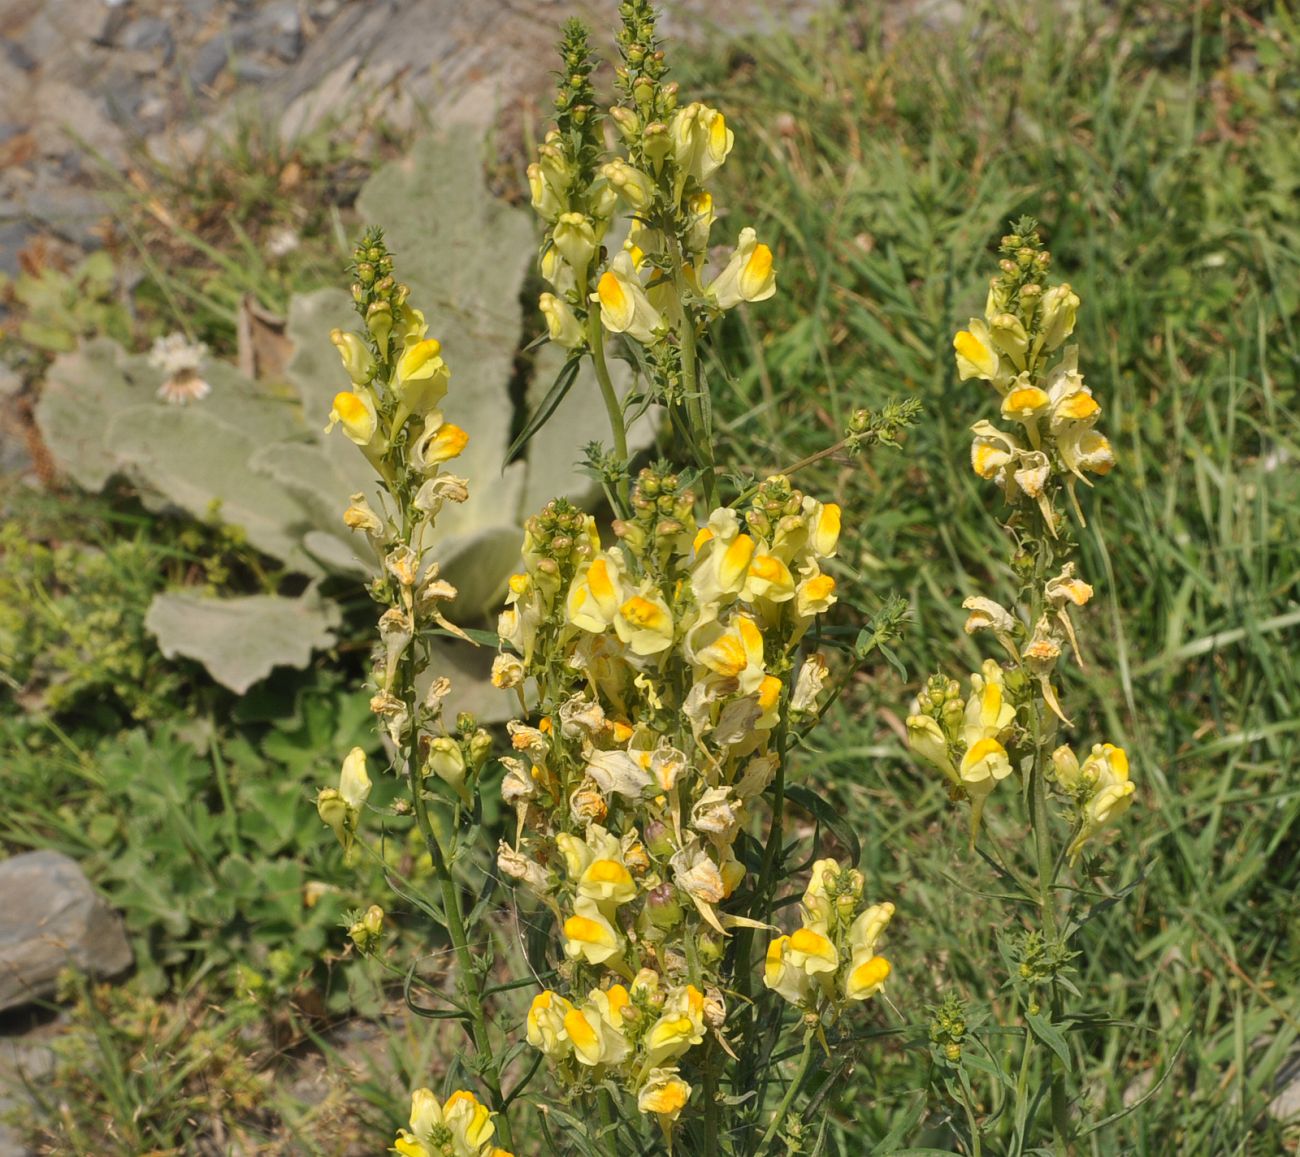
(589, 936)
(545, 1024)
(866, 978)
(562, 324)
(624, 306)
(644, 623)
(976, 355)
(355, 412)
(748, 276)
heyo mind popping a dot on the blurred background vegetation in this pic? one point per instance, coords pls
(1156, 142)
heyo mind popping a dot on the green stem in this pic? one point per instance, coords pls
(613, 409)
(469, 981)
(701, 435)
(774, 1127)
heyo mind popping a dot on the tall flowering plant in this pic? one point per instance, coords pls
(1008, 728)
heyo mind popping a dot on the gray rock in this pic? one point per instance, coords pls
(280, 29)
(52, 918)
(209, 62)
(148, 34)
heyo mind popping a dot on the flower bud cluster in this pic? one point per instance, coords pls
(660, 669)
(459, 1127)
(1019, 349)
(831, 959)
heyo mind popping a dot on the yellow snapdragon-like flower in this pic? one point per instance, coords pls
(589, 936)
(636, 189)
(748, 276)
(596, 593)
(701, 142)
(562, 324)
(354, 410)
(624, 306)
(679, 1028)
(461, 1127)
(977, 356)
(1103, 782)
(355, 353)
(440, 442)
(420, 378)
(644, 623)
(545, 1024)
(733, 652)
(665, 1095)
(340, 807)
(596, 1029)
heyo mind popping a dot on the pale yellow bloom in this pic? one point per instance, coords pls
(815, 594)
(420, 378)
(680, 1027)
(562, 323)
(926, 738)
(1056, 315)
(992, 450)
(357, 358)
(596, 593)
(597, 1037)
(575, 238)
(977, 357)
(866, 977)
(355, 412)
(634, 187)
(748, 276)
(665, 1094)
(1106, 771)
(589, 936)
(644, 623)
(700, 142)
(545, 1025)
(624, 306)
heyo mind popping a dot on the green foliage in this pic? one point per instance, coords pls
(135, 1076)
(56, 309)
(207, 841)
